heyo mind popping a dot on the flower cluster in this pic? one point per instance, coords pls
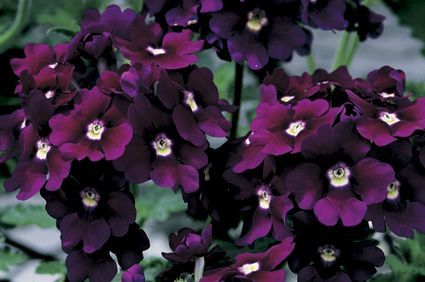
(259, 32)
(123, 103)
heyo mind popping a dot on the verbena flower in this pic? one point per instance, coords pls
(338, 180)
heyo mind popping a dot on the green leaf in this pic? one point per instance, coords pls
(51, 267)
(25, 214)
(410, 13)
(157, 203)
(9, 258)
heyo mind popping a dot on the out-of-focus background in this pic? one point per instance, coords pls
(29, 242)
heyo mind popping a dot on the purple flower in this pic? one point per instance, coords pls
(195, 104)
(39, 56)
(187, 244)
(158, 152)
(404, 204)
(91, 208)
(95, 129)
(271, 203)
(383, 125)
(11, 126)
(279, 87)
(97, 267)
(147, 44)
(130, 247)
(40, 165)
(133, 274)
(258, 267)
(279, 129)
(139, 79)
(254, 32)
(387, 82)
(336, 253)
(326, 15)
(364, 21)
(338, 181)
(94, 39)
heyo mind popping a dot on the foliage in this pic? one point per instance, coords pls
(25, 214)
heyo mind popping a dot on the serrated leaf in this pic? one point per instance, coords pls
(51, 267)
(25, 214)
(9, 258)
(158, 203)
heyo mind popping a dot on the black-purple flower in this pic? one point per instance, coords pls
(338, 180)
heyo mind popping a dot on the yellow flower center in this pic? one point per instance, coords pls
(249, 268)
(189, 99)
(339, 176)
(393, 190)
(256, 20)
(155, 51)
(264, 198)
(95, 130)
(162, 145)
(90, 198)
(43, 149)
(388, 118)
(295, 128)
(286, 99)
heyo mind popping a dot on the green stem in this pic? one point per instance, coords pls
(237, 96)
(199, 268)
(21, 18)
(352, 48)
(311, 63)
(341, 50)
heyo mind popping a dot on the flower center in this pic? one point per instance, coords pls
(189, 99)
(43, 149)
(387, 95)
(328, 254)
(162, 145)
(95, 130)
(393, 190)
(50, 94)
(286, 99)
(155, 51)
(388, 118)
(264, 198)
(256, 20)
(295, 128)
(339, 175)
(53, 66)
(248, 268)
(90, 198)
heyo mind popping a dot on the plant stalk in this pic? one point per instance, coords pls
(199, 268)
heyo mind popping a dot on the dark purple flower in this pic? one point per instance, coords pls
(387, 82)
(325, 14)
(187, 244)
(254, 32)
(364, 21)
(158, 152)
(147, 44)
(91, 207)
(133, 274)
(258, 267)
(139, 79)
(11, 126)
(401, 209)
(279, 129)
(40, 165)
(97, 267)
(271, 203)
(336, 253)
(338, 181)
(195, 104)
(130, 247)
(94, 39)
(383, 125)
(96, 128)
(279, 87)
(39, 56)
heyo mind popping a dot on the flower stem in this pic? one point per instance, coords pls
(199, 268)
(237, 99)
(341, 50)
(311, 63)
(21, 18)
(353, 44)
